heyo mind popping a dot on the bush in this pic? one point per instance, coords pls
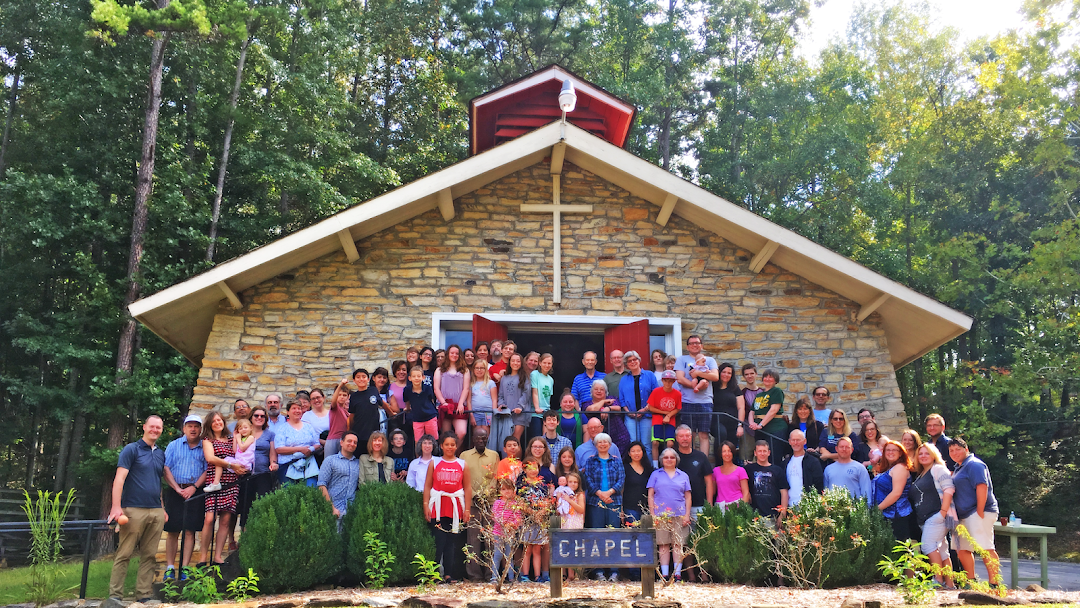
(291, 540)
(728, 555)
(394, 511)
(852, 564)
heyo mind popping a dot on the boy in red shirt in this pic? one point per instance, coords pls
(664, 403)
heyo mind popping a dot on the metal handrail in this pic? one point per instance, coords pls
(89, 525)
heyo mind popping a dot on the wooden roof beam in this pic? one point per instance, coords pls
(446, 204)
(867, 309)
(234, 300)
(558, 155)
(666, 209)
(348, 245)
(763, 256)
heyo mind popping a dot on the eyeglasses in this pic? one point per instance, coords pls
(254, 416)
(821, 394)
(837, 417)
(694, 343)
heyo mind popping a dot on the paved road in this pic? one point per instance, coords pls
(1064, 576)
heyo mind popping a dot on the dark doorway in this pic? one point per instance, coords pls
(566, 349)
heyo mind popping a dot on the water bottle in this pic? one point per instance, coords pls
(1012, 519)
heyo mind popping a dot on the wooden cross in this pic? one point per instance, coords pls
(556, 209)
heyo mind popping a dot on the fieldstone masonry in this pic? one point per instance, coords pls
(313, 326)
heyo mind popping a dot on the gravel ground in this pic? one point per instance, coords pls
(688, 594)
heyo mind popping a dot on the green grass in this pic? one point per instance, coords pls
(13, 580)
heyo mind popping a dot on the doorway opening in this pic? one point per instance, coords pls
(566, 350)
(565, 337)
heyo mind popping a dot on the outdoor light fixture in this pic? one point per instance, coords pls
(567, 97)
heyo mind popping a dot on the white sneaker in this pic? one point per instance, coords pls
(614, 577)
(212, 487)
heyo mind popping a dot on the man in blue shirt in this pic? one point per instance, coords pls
(137, 507)
(587, 449)
(848, 474)
(976, 507)
(185, 473)
(339, 475)
(935, 434)
(581, 389)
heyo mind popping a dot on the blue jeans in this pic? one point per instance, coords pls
(502, 551)
(640, 430)
(602, 517)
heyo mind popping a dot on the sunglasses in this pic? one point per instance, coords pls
(837, 417)
(258, 416)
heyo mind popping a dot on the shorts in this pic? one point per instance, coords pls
(482, 418)
(698, 416)
(663, 432)
(670, 530)
(980, 529)
(183, 516)
(534, 535)
(933, 535)
(522, 419)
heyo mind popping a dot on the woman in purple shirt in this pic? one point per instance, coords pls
(669, 502)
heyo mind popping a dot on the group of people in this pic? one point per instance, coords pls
(461, 425)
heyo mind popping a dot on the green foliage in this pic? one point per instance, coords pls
(200, 587)
(427, 573)
(46, 516)
(395, 512)
(862, 536)
(292, 540)
(377, 562)
(243, 587)
(911, 571)
(728, 555)
(179, 15)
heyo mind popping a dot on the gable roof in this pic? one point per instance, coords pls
(532, 101)
(914, 324)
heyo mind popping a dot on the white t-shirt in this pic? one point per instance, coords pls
(794, 479)
(321, 423)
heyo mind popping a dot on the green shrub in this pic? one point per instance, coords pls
(852, 564)
(395, 511)
(291, 540)
(729, 556)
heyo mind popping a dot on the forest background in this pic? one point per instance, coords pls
(952, 168)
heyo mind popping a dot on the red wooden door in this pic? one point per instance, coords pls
(632, 336)
(486, 330)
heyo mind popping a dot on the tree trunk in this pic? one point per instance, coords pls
(144, 181)
(10, 117)
(920, 391)
(665, 139)
(65, 436)
(75, 453)
(216, 212)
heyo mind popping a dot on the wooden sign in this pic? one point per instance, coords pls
(603, 548)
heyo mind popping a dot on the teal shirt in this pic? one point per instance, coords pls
(545, 387)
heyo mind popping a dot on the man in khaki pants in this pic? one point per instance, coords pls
(136, 497)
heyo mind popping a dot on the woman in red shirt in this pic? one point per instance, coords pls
(447, 490)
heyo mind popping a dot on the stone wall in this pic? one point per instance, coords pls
(314, 325)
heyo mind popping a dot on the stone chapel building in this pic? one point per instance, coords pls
(554, 235)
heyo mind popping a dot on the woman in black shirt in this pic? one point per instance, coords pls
(728, 402)
(635, 493)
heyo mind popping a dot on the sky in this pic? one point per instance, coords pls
(972, 18)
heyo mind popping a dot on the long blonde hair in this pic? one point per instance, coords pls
(934, 453)
(847, 425)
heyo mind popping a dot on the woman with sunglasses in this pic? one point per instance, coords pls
(838, 427)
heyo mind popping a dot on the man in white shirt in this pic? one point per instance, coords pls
(803, 470)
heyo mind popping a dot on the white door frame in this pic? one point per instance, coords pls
(672, 326)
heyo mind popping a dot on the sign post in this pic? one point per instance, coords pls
(604, 548)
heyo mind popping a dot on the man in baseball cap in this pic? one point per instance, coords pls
(185, 473)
